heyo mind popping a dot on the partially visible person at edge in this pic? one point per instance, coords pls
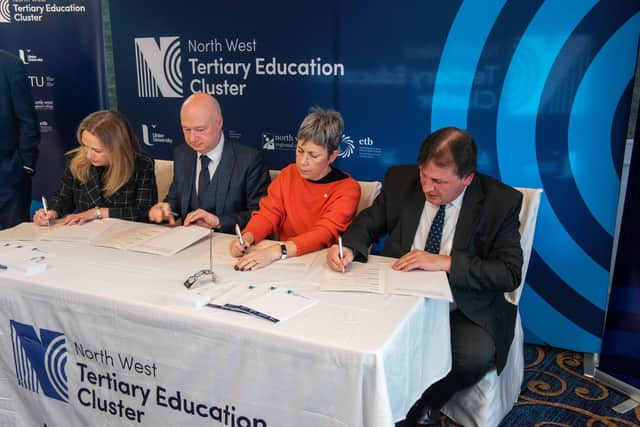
(217, 182)
(309, 204)
(19, 139)
(106, 177)
(444, 216)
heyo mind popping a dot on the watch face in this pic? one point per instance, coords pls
(283, 250)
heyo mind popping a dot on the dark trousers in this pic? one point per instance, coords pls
(473, 352)
(15, 203)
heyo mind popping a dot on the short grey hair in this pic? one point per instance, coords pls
(324, 127)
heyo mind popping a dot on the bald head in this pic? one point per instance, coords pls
(201, 120)
(202, 101)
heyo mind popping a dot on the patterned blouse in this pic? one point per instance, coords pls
(131, 202)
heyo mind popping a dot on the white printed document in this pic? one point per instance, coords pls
(149, 238)
(25, 231)
(76, 233)
(127, 235)
(377, 276)
(268, 302)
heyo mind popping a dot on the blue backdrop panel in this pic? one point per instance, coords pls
(544, 87)
(61, 44)
(620, 355)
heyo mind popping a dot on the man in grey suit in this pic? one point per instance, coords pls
(19, 139)
(217, 183)
(444, 216)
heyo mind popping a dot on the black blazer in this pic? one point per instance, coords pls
(19, 129)
(131, 202)
(486, 258)
(242, 179)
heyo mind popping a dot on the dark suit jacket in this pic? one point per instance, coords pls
(131, 202)
(486, 258)
(242, 179)
(19, 130)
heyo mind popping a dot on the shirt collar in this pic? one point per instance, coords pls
(455, 203)
(216, 153)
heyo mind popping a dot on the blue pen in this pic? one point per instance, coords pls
(290, 292)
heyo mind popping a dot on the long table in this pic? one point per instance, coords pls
(96, 340)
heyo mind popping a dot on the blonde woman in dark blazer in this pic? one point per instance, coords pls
(107, 176)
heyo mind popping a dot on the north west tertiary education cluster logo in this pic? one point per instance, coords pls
(5, 13)
(158, 67)
(40, 362)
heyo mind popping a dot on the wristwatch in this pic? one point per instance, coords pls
(98, 213)
(283, 251)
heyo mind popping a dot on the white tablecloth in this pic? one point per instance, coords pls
(130, 357)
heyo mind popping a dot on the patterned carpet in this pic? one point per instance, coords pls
(556, 393)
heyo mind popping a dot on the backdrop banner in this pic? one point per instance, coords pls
(620, 355)
(545, 87)
(61, 45)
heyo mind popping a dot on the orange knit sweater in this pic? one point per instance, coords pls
(312, 215)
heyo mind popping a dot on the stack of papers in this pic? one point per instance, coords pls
(268, 302)
(377, 276)
(22, 258)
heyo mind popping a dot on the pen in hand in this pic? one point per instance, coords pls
(46, 210)
(240, 239)
(341, 251)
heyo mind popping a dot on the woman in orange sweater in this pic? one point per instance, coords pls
(309, 204)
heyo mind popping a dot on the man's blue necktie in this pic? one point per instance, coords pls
(203, 178)
(435, 233)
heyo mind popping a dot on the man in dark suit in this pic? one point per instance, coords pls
(444, 216)
(217, 183)
(19, 139)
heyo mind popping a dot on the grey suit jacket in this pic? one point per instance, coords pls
(486, 258)
(19, 130)
(242, 181)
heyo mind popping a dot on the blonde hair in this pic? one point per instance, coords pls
(115, 133)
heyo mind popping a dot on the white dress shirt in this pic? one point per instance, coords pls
(215, 155)
(451, 214)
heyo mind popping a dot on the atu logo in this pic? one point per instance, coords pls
(268, 142)
(5, 13)
(158, 67)
(40, 362)
(347, 147)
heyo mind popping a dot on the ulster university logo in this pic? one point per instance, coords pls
(40, 362)
(158, 67)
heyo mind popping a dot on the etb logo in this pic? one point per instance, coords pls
(5, 13)
(158, 67)
(40, 361)
(346, 147)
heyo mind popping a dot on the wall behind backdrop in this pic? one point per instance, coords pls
(544, 86)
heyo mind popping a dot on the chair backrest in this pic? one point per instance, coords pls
(369, 190)
(273, 173)
(528, 218)
(164, 176)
